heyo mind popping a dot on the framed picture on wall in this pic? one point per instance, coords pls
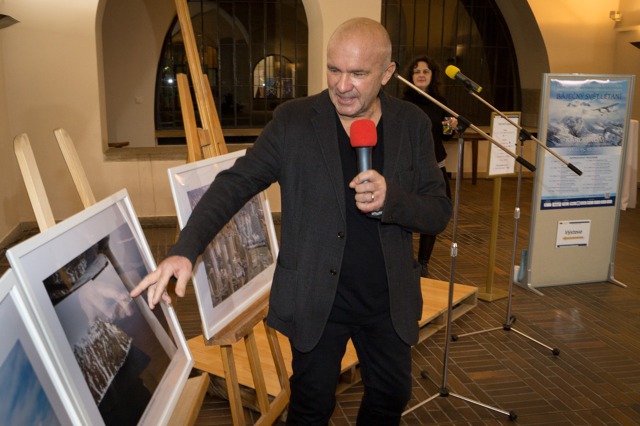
(123, 363)
(33, 391)
(236, 268)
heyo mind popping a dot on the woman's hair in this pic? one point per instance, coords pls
(434, 87)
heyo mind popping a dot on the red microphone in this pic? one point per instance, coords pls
(364, 137)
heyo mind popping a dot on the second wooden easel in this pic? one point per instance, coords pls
(211, 129)
(207, 142)
(199, 147)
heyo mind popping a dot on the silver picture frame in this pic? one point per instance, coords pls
(33, 391)
(124, 363)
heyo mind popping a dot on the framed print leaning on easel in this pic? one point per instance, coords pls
(123, 366)
(236, 268)
(33, 392)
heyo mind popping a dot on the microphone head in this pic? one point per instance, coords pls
(363, 133)
(451, 71)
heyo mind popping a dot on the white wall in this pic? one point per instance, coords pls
(51, 80)
(578, 34)
(626, 56)
(49, 77)
(12, 193)
(136, 30)
(580, 38)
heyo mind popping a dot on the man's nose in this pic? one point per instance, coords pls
(344, 83)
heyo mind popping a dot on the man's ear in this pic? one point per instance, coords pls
(388, 73)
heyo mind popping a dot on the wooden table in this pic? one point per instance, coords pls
(470, 135)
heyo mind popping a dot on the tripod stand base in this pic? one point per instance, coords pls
(493, 296)
(508, 327)
(444, 393)
(554, 351)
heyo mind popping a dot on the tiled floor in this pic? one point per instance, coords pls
(596, 327)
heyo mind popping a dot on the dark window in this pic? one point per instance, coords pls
(254, 53)
(470, 34)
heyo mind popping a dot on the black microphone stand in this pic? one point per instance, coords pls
(510, 319)
(463, 124)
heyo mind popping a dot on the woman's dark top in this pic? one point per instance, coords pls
(436, 115)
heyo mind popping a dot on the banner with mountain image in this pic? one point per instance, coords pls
(585, 125)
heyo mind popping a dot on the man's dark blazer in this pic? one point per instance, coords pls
(299, 150)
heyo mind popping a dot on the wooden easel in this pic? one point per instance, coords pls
(33, 182)
(204, 98)
(200, 141)
(207, 142)
(200, 146)
(188, 406)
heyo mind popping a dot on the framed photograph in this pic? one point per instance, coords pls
(125, 364)
(237, 266)
(33, 392)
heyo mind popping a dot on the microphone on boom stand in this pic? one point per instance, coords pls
(454, 73)
(473, 88)
(463, 123)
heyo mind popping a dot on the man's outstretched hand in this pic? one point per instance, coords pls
(156, 282)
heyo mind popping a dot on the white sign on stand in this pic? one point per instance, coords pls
(501, 163)
(584, 119)
(573, 233)
(504, 132)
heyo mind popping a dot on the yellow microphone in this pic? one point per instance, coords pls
(454, 73)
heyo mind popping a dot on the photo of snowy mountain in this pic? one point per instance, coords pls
(590, 114)
(113, 360)
(110, 338)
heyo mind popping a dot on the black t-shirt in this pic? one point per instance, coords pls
(363, 293)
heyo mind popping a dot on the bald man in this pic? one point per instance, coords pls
(341, 274)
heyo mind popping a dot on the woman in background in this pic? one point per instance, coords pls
(424, 73)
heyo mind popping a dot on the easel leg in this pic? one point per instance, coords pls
(256, 372)
(278, 360)
(233, 388)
